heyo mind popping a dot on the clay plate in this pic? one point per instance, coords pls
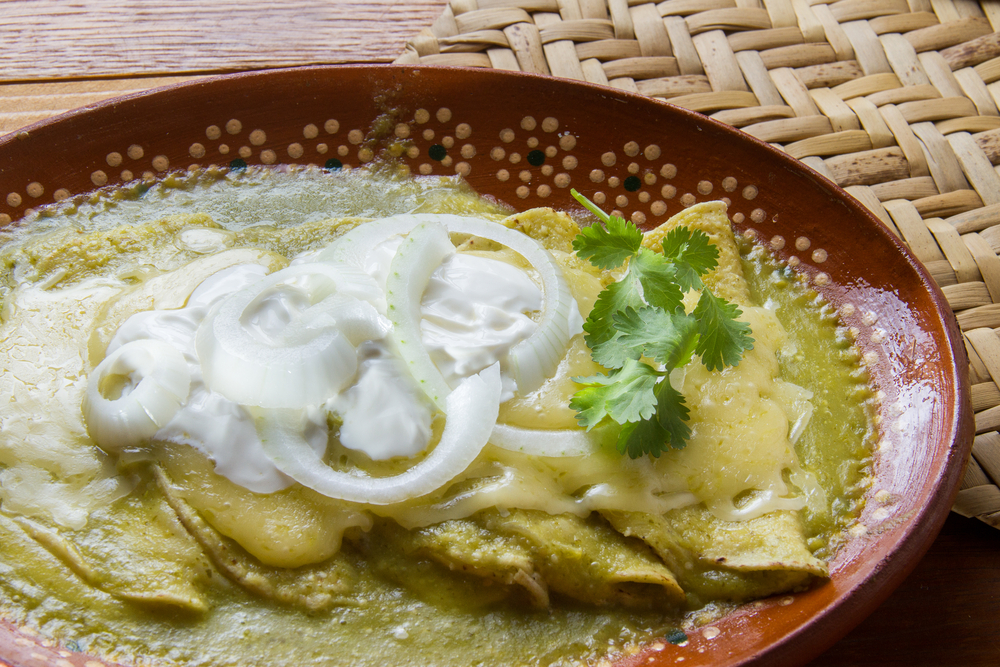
(526, 140)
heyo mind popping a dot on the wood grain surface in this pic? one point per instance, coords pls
(57, 55)
(945, 613)
(24, 103)
(57, 39)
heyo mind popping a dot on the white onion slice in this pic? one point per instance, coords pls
(143, 406)
(535, 358)
(311, 361)
(354, 247)
(472, 410)
(419, 255)
(797, 403)
(530, 361)
(547, 442)
(800, 423)
(357, 320)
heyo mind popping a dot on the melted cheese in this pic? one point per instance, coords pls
(50, 466)
(740, 428)
(736, 463)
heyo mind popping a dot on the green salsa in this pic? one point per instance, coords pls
(387, 603)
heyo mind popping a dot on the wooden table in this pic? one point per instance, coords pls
(57, 56)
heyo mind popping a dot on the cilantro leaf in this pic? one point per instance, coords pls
(613, 352)
(649, 278)
(590, 403)
(654, 436)
(599, 326)
(667, 338)
(626, 395)
(692, 254)
(608, 248)
(642, 315)
(658, 280)
(629, 340)
(639, 438)
(672, 414)
(634, 398)
(723, 339)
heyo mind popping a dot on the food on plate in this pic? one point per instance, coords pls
(284, 415)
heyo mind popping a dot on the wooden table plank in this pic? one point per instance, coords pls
(24, 103)
(56, 56)
(945, 613)
(54, 39)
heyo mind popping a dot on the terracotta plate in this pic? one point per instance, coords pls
(526, 140)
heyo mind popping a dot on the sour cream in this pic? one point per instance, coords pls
(474, 310)
(384, 414)
(221, 429)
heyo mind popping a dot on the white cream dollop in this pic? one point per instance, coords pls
(217, 427)
(473, 311)
(384, 414)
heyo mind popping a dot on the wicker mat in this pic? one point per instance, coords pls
(894, 100)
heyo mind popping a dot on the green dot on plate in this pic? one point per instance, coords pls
(437, 152)
(676, 636)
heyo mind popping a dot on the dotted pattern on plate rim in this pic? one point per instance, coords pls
(538, 155)
(534, 154)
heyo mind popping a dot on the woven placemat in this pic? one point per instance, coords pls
(894, 100)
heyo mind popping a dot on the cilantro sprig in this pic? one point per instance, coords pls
(639, 330)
